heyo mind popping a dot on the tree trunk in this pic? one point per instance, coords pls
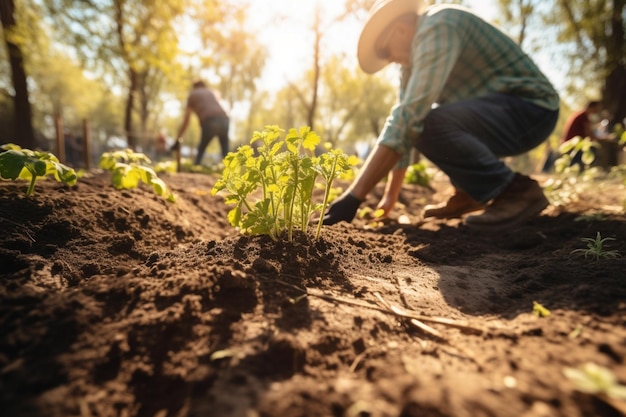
(128, 113)
(316, 70)
(25, 134)
(614, 97)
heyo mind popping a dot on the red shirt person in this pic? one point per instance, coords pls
(580, 123)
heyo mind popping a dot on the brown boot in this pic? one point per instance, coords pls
(521, 200)
(456, 206)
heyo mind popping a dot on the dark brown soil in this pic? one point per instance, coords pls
(118, 303)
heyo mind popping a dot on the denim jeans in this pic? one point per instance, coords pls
(466, 140)
(211, 127)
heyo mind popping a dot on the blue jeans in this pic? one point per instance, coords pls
(211, 127)
(466, 140)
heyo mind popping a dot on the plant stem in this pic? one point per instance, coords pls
(329, 183)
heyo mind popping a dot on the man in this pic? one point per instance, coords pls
(211, 115)
(469, 97)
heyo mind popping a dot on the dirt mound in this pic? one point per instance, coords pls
(119, 303)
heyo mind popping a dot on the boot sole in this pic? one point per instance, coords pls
(452, 215)
(529, 212)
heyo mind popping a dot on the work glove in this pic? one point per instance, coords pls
(342, 209)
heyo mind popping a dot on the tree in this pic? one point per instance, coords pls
(518, 13)
(25, 134)
(142, 46)
(597, 31)
(353, 105)
(233, 56)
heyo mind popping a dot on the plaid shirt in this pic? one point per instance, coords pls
(458, 56)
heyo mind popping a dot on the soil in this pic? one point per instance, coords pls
(119, 303)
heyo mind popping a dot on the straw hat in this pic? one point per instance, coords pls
(382, 13)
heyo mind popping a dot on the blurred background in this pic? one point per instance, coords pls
(121, 69)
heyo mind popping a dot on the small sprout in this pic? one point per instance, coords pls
(18, 163)
(128, 169)
(595, 248)
(594, 379)
(593, 217)
(574, 334)
(365, 212)
(539, 310)
(584, 147)
(222, 354)
(418, 175)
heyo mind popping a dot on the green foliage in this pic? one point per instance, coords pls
(595, 248)
(416, 174)
(591, 378)
(539, 310)
(619, 133)
(127, 171)
(570, 149)
(18, 163)
(272, 186)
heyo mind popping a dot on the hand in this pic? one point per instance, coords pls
(175, 146)
(342, 209)
(386, 204)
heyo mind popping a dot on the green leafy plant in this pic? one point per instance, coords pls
(592, 217)
(20, 163)
(595, 248)
(594, 379)
(128, 170)
(539, 310)
(570, 149)
(272, 184)
(418, 175)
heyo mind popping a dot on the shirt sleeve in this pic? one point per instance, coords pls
(436, 48)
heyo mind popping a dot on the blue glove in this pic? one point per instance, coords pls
(342, 209)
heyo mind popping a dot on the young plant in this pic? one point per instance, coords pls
(595, 248)
(585, 146)
(127, 171)
(332, 165)
(539, 310)
(19, 163)
(594, 379)
(272, 186)
(417, 174)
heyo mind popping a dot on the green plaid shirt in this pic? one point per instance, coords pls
(458, 56)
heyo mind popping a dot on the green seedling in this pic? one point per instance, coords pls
(595, 248)
(128, 169)
(539, 310)
(572, 147)
(272, 186)
(417, 174)
(594, 379)
(592, 217)
(19, 163)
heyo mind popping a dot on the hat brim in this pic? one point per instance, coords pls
(378, 20)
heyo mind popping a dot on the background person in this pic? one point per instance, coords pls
(472, 96)
(581, 123)
(213, 119)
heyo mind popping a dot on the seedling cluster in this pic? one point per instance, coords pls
(128, 168)
(271, 181)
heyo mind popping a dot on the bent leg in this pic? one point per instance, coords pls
(205, 139)
(467, 139)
